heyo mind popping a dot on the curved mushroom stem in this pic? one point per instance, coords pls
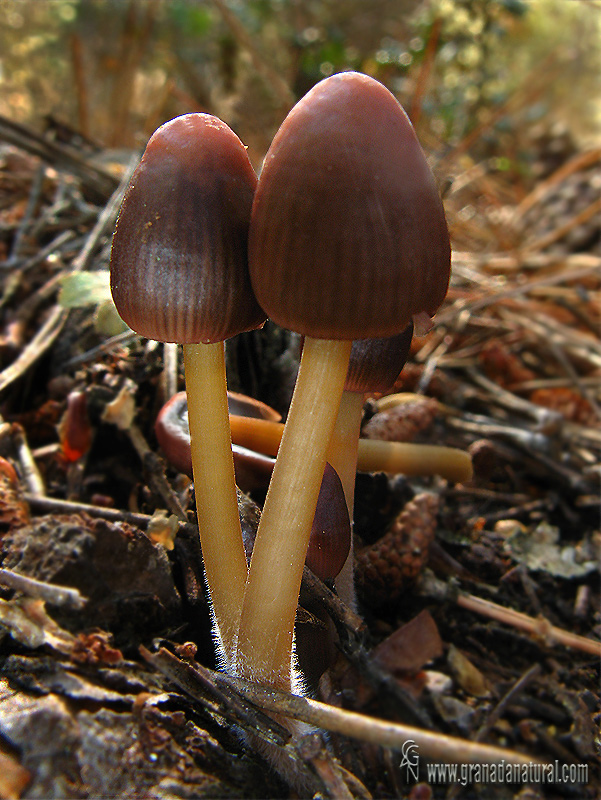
(261, 435)
(266, 627)
(374, 456)
(215, 488)
(342, 455)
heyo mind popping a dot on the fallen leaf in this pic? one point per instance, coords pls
(81, 289)
(29, 624)
(122, 409)
(454, 711)
(466, 674)
(14, 512)
(410, 646)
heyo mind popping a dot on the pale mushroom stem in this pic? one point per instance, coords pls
(406, 458)
(410, 458)
(215, 488)
(266, 627)
(342, 455)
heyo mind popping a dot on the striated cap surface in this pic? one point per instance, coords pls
(179, 260)
(375, 364)
(348, 237)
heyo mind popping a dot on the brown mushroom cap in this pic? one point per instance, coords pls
(253, 470)
(244, 406)
(179, 265)
(348, 237)
(330, 539)
(375, 364)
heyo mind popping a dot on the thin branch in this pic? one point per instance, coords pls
(435, 746)
(101, 182)
(48, 333)
(540, 628)
(49, 593)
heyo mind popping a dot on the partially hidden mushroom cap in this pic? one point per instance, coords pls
(330, 539)
(244, 406)
(253, 469)
(179, 261)
(173, 432)
(375, 364)
(348, 238)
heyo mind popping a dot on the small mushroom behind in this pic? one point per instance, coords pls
(374, 366)
(252, 469)
(330, 539)
(244, 406)
(262, 437)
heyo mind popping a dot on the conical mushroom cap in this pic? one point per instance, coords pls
(179, 261)
(348, 237)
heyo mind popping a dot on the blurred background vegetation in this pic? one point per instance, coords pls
(471, 73)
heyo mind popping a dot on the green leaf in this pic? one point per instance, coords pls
(85, 289)
(107, 321)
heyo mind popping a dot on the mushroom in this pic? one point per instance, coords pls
(179, 274)
(374, 366)
(262, 438)
(330, 535)
(244, 406)
(347, 241)
(406, 458)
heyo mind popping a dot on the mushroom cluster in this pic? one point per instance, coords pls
(343, 240)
